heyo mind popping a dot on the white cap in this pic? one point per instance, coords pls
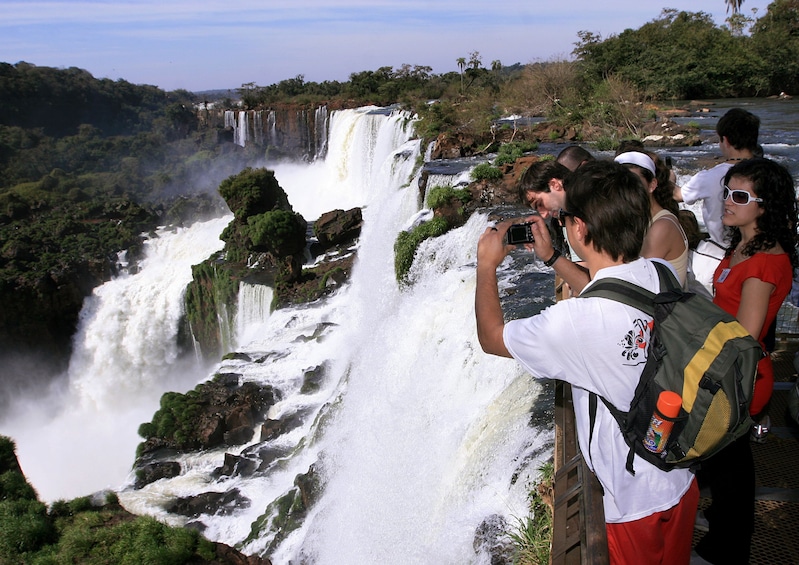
(637, 158)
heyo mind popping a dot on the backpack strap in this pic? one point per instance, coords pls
(632, 294)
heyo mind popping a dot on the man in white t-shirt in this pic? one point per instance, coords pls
(738, 131)
(600, 346)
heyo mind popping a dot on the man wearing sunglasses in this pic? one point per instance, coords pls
(598, 345)
(738, 131)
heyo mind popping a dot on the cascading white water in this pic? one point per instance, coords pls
(424, 438)
(258, 127)
(242, 132)
(254, 307)
(360, 141)
(426, 433)
(271, 128)
(82, 439)
(320, 127)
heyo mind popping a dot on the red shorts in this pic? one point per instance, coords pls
(663, 538)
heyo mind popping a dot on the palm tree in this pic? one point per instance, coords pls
(735, 5)
(461, 64)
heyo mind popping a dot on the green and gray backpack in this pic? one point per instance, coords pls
(697, 350)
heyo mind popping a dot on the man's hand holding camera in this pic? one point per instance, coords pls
(499, 240)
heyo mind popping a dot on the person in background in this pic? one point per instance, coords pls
(541, 187)
(665, 238)
(691, 227)
(573, 156)
(738, 131)
(650, 515)
(666, 241)
(751, 282)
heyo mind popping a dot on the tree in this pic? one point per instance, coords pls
(776, 39)
(461, 65)
(734, 5)
(679, 55)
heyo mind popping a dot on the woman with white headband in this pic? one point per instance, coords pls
(665, 238)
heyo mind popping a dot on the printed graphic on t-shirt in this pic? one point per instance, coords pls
(635, 342)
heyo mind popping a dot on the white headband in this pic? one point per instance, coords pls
(637, 158)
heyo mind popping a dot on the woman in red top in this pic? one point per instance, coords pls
(751, 282)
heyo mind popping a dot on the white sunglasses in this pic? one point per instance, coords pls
(740, 197)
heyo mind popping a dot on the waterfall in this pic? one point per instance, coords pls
(418, 436)
(271, 129)
(231, 122)
(254, 307)
(258, 127)
(320, 127)
(83, 438)
(360, 142)
(242, 132)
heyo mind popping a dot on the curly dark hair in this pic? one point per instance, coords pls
(778, 224)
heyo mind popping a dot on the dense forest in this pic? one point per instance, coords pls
(87, 165)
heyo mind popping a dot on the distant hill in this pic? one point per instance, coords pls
(218, 94)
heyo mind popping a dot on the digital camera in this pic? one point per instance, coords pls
(520, 233)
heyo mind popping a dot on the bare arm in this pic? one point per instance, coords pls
(661, 241)
(677, 193)
(754, 305)
(491, 250)
(575, 275)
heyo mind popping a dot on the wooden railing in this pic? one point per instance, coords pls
(578, 529)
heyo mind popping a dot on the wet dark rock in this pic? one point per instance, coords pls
(238, 356)
(228, 380)
(312, 379)
(221, 503)
(271, 429)
(218, 415)
(238, 436)
(236, 465)
(156, 471)
(491, 537)
(337, 227)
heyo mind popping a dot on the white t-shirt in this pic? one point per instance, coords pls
(599, 345)
(707, 186)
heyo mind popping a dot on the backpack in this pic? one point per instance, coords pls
(697, 350)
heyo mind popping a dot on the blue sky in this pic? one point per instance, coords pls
(213, 44)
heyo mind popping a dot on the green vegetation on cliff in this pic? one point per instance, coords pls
(79, 531)
(448, 204)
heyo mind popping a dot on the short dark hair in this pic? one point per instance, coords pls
(613, 203)
(573, 156)
(536, 177)
(740, 127)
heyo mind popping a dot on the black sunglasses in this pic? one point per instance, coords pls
(562, 214)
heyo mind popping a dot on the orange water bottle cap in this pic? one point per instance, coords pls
(669, 404)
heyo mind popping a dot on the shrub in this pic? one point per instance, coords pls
(175, 420)
(408, 241)
(509, 152)
(441, 195)
(532, 535)
(280, 232)
(486, 171)
(89, 539)
(24, 527)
